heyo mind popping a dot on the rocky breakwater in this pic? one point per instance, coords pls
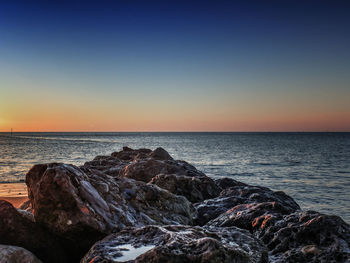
(144, 206)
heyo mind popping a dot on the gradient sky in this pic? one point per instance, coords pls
(175, 65)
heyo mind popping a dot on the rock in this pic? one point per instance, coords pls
(13, 254)
(145, 169)
(107, 164)
(242, 194)
(226, 182)
(17, 230)
(141, 164)
(253, 194)
(128, 154)
(83, 205)
(195, 189)
(160, 154)
(305, 237)
(178, 244)
(245, 215)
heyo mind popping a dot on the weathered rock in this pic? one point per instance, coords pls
(305, 237)
(141, 164)
(242, 194)
(160, 154)
(107, 164)
(17, 230)
(128, 154)
(245, 215)
(261, 194)
(83, 205)
(226, 182)
(195, 189)
(145, 169)
(178, 244)
(13, 254)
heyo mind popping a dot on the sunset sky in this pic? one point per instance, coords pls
(175, 65)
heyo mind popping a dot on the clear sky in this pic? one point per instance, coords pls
(175, 65)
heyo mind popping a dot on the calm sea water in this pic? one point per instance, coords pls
(314, 168)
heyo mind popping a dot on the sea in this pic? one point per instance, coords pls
(313, 168)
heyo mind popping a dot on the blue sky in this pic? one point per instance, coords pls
(174, 65)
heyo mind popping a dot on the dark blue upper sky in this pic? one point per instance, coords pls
(281, 51)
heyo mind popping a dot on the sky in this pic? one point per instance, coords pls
(174, 65)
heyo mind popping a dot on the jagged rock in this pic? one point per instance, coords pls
(226, 182)
(13, 254)
(195, 189)
(242, 194)
(160, 154)
(305, 237)
(107, 164)
(175, 244)
(141, 164)
(261, 194)
(83, 205)
(245, 215)
(17, 230)
(128, 154)
(145, 169)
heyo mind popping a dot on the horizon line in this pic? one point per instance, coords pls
(204, 131)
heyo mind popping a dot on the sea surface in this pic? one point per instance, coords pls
(314, 168)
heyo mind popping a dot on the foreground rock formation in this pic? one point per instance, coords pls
(178, 244)
(144, 206)
(11, 254)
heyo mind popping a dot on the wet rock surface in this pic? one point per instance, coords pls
(145, 203)
(239, 194)
(178, 244)
(13, 254)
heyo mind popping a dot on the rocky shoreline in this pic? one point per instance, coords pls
(144, 206)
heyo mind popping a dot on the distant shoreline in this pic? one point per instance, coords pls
(19, 132)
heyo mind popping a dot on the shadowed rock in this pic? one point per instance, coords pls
(18, 230)
(242, 194)
(226, 182)
(178, 244)
(195, 189)
(245, 215)
(305, 237)
(160, 154)
(145, 169)
(13, 254)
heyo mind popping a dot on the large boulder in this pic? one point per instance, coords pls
(195, 189)
(141, 164)
(175, 244)
(83, 205)
(13, 254)
(18, 230)
(305, 237)
(239, 194)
